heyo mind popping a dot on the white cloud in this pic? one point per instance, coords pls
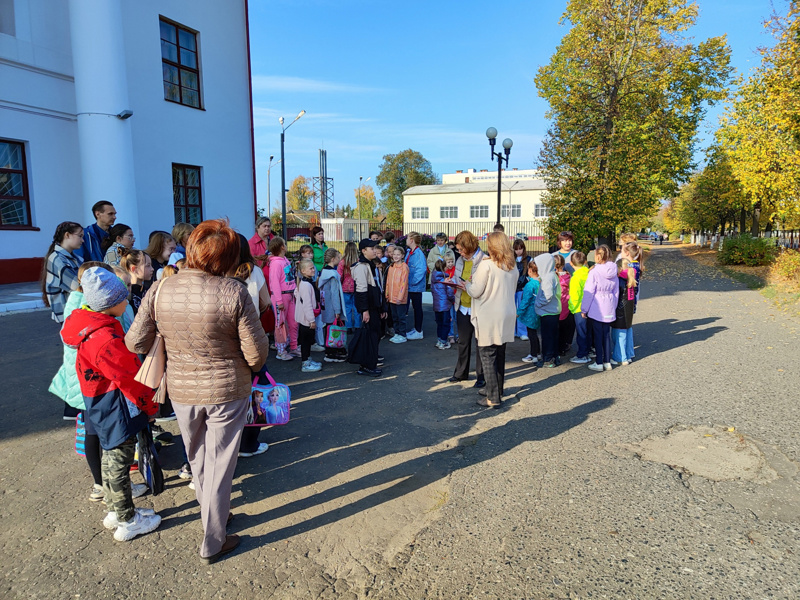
(279, 83)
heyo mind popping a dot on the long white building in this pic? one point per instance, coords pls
(146, 104)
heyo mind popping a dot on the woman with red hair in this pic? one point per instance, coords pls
(214, 340)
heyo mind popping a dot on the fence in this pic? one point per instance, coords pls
(533, 233)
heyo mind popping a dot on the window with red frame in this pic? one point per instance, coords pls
(187, 194)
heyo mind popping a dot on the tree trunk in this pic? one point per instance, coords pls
(755, 228)
(742, 220)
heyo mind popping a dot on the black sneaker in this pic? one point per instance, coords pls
(454, 380)
(369, 372)
(159, 433)
(480, 383)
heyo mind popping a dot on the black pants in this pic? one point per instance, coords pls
(374, 329)
(91, 445)
(249, 441)
(602, 341)
(533, 336)
(305, 337)
(549, 337)
(415, 300)
(493, 359)
(566, 331)
(466, 333)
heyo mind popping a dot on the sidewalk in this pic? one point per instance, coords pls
(20, 297)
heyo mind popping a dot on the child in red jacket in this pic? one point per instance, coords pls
(117, 406)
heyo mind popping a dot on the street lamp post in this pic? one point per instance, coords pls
(269, 168)
(491, 133)
(358, 205)
(283, 171)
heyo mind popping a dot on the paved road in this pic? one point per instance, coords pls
(400, 487)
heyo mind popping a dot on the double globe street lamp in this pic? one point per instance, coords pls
(491, 133)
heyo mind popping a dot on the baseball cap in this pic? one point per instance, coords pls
(366, 243)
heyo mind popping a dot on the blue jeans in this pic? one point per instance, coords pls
(399, 318)
(442, 324)
(520, 328)
(622, 343)
(352, 317)
(583, 336)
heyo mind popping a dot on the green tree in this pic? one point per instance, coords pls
(299, 195)
(761, 129)
(626, 95)
(399, 172)
(365, 202)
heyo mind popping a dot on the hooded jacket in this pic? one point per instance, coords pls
(444, 296)
(576, 285)
(548, 298)
(417, 269)
(116, 405)
(330, 286)
(601, 292)
(526, 311)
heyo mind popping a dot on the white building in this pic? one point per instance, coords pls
(72, 71)
(472, 196)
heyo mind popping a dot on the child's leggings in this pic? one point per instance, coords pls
(533, 336)
(291, 324)
(602, 341)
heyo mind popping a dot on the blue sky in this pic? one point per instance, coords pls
(377, 78)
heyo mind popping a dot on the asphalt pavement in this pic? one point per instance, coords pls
(673, 477)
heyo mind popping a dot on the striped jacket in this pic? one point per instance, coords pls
(62, 278)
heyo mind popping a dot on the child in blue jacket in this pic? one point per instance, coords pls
(444, 297)
(417, 277)
(526, 312)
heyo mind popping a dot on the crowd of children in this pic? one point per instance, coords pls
(95, 280)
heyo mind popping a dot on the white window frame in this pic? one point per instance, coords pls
(448, 212)
(540, 211)
(516, 211)
(419, 212)
(479, 211)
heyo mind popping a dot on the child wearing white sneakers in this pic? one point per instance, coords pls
(305, 313)
(117, 406)
(397, 294)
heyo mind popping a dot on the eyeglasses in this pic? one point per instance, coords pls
(129, 236)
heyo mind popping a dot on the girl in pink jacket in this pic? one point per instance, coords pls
(281, 287)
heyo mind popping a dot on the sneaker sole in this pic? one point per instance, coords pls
(128, 536)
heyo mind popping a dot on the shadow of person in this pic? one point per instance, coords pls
(415, 474)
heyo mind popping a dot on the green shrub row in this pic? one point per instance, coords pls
(747, 250)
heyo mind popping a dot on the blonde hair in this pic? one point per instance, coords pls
(500, 251)
(559, 262)
(305, 262)
(632, 249)
(626, 264)
(350, 256)
(181, 233)
(627, 237)
(330, 254)
(169, 271)
(131, 258)
(532, 268)
(415, 236)
(602, 254)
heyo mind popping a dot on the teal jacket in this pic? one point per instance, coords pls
(526, 311)
(65, 384)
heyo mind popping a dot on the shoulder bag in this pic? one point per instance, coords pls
(154, 364)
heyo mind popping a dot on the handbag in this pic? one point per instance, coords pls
(337, 336)
(154, 364)
(363, 346)
(149, 465)
(270, 404)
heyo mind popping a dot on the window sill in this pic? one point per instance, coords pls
(18, 228)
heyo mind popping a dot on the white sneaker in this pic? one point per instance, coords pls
(595, 367)
(262, 447)
(284, 356)
(191, 485)
(310, 367)
(607, 366)
(110, 522)
(528, 359)
(398, 339)
(625, 363)
(138, 525)
(414, 335)
(524, 338)
(439, 345)
(446, 345)
(138, 489)
(317, 348)
(612, 362)
(579, 360)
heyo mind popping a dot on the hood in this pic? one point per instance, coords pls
(326, 274)
(607, 270)
(545, 263)
(83, 323)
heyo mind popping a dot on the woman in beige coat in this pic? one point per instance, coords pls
(493, 315)
(214, 340)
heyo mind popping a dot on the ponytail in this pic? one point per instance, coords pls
(116, 231)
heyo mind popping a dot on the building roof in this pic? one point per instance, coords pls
(465, 188)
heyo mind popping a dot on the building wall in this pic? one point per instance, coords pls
(463, 200)
(37, 107)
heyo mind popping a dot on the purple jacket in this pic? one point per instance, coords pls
(601, 293)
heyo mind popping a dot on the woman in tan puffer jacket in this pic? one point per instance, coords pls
(214, 339)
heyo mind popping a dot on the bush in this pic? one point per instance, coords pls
(747, 250)
(674, 236)
(787, 266)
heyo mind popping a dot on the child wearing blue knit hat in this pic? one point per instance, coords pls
(117, 405)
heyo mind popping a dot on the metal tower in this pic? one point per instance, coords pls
(323, 188)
